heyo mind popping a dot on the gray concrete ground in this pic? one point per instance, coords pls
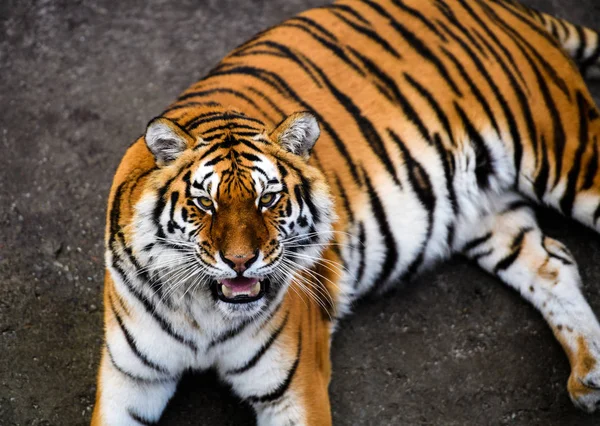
(78, 82)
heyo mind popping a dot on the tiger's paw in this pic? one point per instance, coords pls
(585, 392)
(584, 382)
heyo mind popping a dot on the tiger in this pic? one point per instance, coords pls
(235, 242)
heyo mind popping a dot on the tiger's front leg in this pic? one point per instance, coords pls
(284, 372)
(507, 241)
(136, 379)
(126, 400)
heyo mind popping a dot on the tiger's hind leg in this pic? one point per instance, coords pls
(507, 241)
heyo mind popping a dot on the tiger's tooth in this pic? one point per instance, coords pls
(255, 289)
(227, 292)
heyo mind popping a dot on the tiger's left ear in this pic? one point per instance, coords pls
(166, 140)
(298, 133)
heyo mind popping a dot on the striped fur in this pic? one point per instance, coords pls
(440, 123)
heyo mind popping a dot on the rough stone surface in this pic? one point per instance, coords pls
(79, 81)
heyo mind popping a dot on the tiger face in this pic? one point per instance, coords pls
(233, 211)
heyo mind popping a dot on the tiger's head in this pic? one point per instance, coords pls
(232, 210)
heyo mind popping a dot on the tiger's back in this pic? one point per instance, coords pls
(440, 122)
(425, 108)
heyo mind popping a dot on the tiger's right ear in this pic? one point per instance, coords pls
(166, 140)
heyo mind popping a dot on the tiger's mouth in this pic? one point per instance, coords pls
(242, 289)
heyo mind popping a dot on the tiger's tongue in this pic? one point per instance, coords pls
(240, 283)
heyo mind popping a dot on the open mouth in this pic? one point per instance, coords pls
(241, 289)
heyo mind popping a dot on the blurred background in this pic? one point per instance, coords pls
(78, 83)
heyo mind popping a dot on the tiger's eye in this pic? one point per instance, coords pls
(267, 199)
(205, 202)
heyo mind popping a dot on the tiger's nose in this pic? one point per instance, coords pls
(240, 262)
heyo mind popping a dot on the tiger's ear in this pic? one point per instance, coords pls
(298, 133)
(166, 140)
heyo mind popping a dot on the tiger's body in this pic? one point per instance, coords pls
(439, 122)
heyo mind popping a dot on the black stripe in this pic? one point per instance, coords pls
(231, 126)
(439, 112)
(311, 23)
(229, 334)
(516, 205)
(412, 269)
(516, 247)
(268, 100)
(207, 117)
(445, 159)
(232, 332)
(219, 116)
(451, 17)
(592, 59)
(349, 10)
(592, 168)
(250, 157)
(370, 34)
(263, 349)
(215, 161)
(391, 252)
(307, 197)
(484, 163)
(562, 259)
(565, 28)
(115, 214)
(540, 183)
(476, 242)
(344, 197)
(132, 345)
(418, 178)
(581, 45)
(420, 17)
(283, 387)
(361, 253)
(450, 235)
(177, 106)
(553, 29)
(236, 136)
(418, 45)
(568, 198)
(131, 376)
(596, 214)
(140, 419)
(154, 283)
(479, 256)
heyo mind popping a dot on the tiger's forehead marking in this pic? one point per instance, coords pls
(231, 172)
